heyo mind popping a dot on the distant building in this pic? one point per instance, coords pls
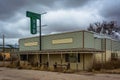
(7, 50)
(79, 49)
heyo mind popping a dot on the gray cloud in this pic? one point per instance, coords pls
(63, 15)
(110, 9)
(8, 8)
(75, 3)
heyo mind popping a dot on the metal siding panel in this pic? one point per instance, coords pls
(98, 44)
(88, 40)
(47, 41)
(76, 36)
(28, 40)
(108, 44)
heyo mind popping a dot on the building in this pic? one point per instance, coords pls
(107, 44)
(77, 49)
(6, 51)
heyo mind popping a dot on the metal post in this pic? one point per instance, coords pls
(76, 61)
(48, 57)
(61, 61)
(40, 33)
(37, 60)
(48, 60)
(83, 61)
(27, 59)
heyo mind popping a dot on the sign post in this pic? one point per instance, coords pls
(33, 24)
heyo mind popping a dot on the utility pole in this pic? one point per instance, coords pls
(3, 43)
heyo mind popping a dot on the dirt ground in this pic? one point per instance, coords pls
(15, 74)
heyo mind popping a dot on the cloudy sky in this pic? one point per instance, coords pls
(62, 16)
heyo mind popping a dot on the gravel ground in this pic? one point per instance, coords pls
(15, 74)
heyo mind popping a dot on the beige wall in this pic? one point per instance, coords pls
(98, 58)
(88, 61)
(103, 57)
(108, 55)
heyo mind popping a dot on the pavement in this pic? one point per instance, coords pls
(16, 74)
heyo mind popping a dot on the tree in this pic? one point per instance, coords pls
(105, 27)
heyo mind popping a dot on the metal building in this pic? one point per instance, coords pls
(79, 49)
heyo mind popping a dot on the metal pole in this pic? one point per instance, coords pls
(3, 50)
(3, 43)
(40, 38)
(77, 61)
(40, 33)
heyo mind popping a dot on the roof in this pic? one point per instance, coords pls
(103, 36)
(63, 51)
(9, 46)
(1, 46)
(60, 33)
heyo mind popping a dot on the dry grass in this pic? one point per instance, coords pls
(114, 64)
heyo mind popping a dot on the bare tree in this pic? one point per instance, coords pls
(104, 27)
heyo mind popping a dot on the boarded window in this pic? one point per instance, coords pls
(66, 57)
(72, 58)
(23, 57)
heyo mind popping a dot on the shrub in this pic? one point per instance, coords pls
(113, 64)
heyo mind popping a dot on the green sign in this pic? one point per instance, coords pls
(33, 27)
(33, 15)
(33, 21)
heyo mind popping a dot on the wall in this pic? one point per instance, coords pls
(22, 42)
(88, 61)
(76, 41)
(88, 40)
(59, 41)
(97, 44)
(47, 41)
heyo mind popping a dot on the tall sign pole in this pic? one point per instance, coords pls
(33, 25)
(40, 31)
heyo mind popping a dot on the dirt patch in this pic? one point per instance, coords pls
(114, 71)
(6, 79)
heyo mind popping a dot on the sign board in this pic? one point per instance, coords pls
(33, 25)
(62, 41)
(33, 15)
(31, 44)
(33, 21)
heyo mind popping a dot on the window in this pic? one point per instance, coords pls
(23, 57)
(114, 55)
(66, 57)
(72, 58)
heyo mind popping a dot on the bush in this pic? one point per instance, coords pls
(114, 64)
(97, 66)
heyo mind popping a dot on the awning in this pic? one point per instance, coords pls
(63, 51)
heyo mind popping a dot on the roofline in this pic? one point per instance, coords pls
(58, 34)
(108, 38)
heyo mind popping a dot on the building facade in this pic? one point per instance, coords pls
(77, 49)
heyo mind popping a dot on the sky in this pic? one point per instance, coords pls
(62, 16)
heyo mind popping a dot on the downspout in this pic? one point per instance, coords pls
(83, 53)
(105, 50)
(111, 49)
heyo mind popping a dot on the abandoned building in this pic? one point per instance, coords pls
(78, 49)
